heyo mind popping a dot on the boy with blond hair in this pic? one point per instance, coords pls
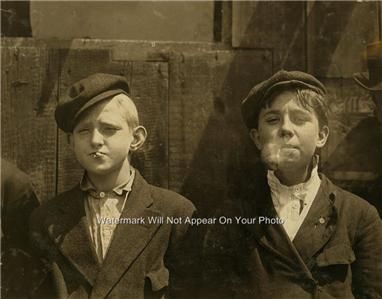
(97, 236)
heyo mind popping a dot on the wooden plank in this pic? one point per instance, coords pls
(380, 20)
(121, 50)
(129, 20)
(28, 98)
(205, 123)
(226, 26)
(337, 36)
(149, 85)
(271, 25)
(148, 81)
(348, 104)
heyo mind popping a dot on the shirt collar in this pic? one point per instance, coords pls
(87, 186)
(298, 191)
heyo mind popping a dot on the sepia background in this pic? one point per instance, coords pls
(189, 65)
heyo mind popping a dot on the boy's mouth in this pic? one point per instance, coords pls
(279, 155)
(288, 146)
(97, 154)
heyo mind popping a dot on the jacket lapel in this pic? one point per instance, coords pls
(270, 236)
(318, 225)
(128, 240)
(71, 234)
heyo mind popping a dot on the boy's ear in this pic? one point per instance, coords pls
(323, 136)
(139, 135)
(254, 134)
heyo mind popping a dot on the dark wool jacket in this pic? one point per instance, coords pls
(18, 200)
(337, 252)
(142, 260)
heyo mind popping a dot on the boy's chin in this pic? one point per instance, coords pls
(98, 171)
(284, 166)
(101, 169)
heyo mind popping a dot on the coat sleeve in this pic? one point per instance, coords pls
(43, 281)
(367, 269)
(182, 254)
(18, 200)
(222, 247)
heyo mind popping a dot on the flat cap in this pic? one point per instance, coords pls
(251, 105)
(86, 93)
(372, 80)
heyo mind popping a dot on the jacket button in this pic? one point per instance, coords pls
(321, 220)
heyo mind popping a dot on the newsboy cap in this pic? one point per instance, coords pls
(86, 93)
(251, 105)
(372, 80)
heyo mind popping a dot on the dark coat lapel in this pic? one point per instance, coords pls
(128, 240)
(270, 236)
(71, 234)
(319, 224)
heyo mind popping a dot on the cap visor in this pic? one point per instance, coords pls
(363, 80)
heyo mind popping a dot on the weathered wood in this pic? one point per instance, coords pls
(149, 85)
(129, 20)
(348, 104)
(226, 26)
(121, 49)
(205, 123)
(275, 25)
(28, 98)
(337, 36)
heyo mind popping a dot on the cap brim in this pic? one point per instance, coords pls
(363, 81)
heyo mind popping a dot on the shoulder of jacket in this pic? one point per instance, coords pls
(170, 200)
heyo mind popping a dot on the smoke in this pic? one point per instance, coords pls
(278, 156)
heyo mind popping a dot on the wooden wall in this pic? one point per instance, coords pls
(188, 94)
(132, 20)
(182, 94)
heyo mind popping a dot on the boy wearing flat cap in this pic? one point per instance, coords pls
(295, 234)
(98, 236)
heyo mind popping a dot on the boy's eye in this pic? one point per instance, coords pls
(83, 130)
(301, 119)
(111, 129)
(272, 120)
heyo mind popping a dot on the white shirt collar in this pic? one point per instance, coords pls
(292, 203)
(281, 194)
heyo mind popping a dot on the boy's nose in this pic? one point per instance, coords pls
(286, 127)
(96, 138)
